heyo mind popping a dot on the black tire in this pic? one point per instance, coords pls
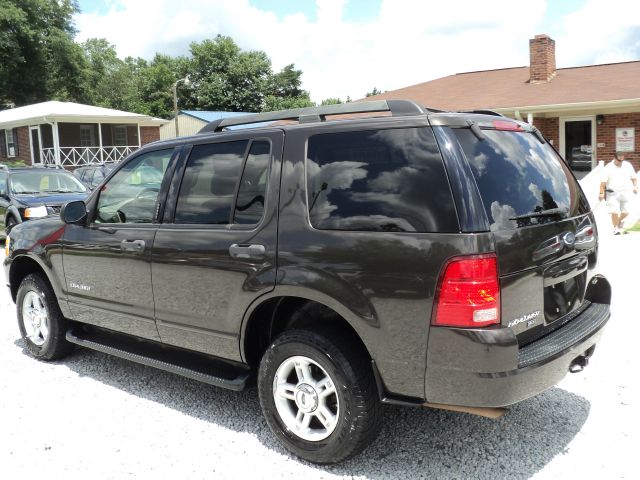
(55, 345)
(359, 418)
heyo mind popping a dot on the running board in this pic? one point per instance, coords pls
(181, 362)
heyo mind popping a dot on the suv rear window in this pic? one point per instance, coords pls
(517, 175)
(379, 180)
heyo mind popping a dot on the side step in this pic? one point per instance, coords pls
(188, 364)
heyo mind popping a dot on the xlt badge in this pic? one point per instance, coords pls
(529, 318)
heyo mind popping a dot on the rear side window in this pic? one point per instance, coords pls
(379, 180)
(518, 176)
(207, 192)
(253, 185)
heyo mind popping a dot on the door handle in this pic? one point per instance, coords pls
(247, 251)
(132, 245)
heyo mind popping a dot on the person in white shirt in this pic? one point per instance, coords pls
(618, 181)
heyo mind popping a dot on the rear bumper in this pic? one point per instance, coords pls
(467, 367)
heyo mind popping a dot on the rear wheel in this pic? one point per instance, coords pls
(319, 396)
(40, 320)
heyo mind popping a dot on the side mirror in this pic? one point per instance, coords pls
(73, 212)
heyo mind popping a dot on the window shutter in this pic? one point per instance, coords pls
(15, 142)
(3, 145)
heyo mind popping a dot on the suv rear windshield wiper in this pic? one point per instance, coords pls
(551, 212)
(26, 192)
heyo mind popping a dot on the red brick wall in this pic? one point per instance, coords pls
(606, 133)
(149, 134)
(24, 146)
(542, 58)
(550, 128)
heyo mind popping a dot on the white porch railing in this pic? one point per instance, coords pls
(76, 156)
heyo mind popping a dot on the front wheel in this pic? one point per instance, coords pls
(42, 325)
(319, 396)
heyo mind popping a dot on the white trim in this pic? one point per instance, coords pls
(100, 142)
(594, 139)
(33, 158)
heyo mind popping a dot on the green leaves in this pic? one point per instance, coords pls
(40, 61)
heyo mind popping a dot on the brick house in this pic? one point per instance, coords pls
(586, 112)
(72, 134)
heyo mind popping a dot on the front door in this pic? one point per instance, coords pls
(215, 253)
(34, 134)
(107, 262)
(578, 145)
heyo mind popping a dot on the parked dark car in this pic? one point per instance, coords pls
(27, 193)
(420, 258)
(93, 175)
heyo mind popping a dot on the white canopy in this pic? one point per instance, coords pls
(70, 112)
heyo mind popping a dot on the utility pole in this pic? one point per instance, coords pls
(174, 89)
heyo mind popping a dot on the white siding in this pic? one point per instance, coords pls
(187, 125)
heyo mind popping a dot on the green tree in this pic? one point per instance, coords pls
(331, 101)
(373, 92)
(38, 58)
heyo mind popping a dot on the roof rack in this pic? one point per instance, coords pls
(53, 165)
(397, 108)
(484, 112)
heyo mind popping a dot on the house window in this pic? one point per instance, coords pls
(87, 137)
(11, 144)
(120, 135)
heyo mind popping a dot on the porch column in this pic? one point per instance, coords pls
(56, 143)
(530, 118)
(139, 139)
(100, 142)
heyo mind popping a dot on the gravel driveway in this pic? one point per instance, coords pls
(94, 416)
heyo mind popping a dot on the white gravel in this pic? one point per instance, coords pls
(94, 416)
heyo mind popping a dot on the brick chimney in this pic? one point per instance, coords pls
(542, 58)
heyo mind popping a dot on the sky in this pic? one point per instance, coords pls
(348, 47)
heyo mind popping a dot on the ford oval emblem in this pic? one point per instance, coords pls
(569, 239)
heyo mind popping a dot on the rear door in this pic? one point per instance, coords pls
(216, 250)
(539, 216)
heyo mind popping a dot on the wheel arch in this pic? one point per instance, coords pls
(22, 266)
(274, 313)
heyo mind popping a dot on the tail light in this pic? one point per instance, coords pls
(468, 293)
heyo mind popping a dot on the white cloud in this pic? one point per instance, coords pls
(600, 32)
(408, 42)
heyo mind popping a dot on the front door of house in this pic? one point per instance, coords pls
(577, 147)
(34, 134)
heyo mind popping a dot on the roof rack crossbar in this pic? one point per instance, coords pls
(396, 107)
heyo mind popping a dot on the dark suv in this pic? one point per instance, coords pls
(411, 257)
(27, 193)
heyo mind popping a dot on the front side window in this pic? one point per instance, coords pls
(208, 188)
(379, 180)
(3, 183)
(131, 195)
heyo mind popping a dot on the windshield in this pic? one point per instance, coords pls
(29, 182)
(522, 182)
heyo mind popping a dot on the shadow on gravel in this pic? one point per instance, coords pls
(415, 442)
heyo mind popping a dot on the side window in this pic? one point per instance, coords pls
(3, 183)
(132, 193)
(253, 185)
(379, 180)
(98, 176)
(208, 187)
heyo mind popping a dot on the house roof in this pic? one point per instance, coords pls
(209, 116)
(70, 112)
(510, 88)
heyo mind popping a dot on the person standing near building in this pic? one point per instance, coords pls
(618, 181)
